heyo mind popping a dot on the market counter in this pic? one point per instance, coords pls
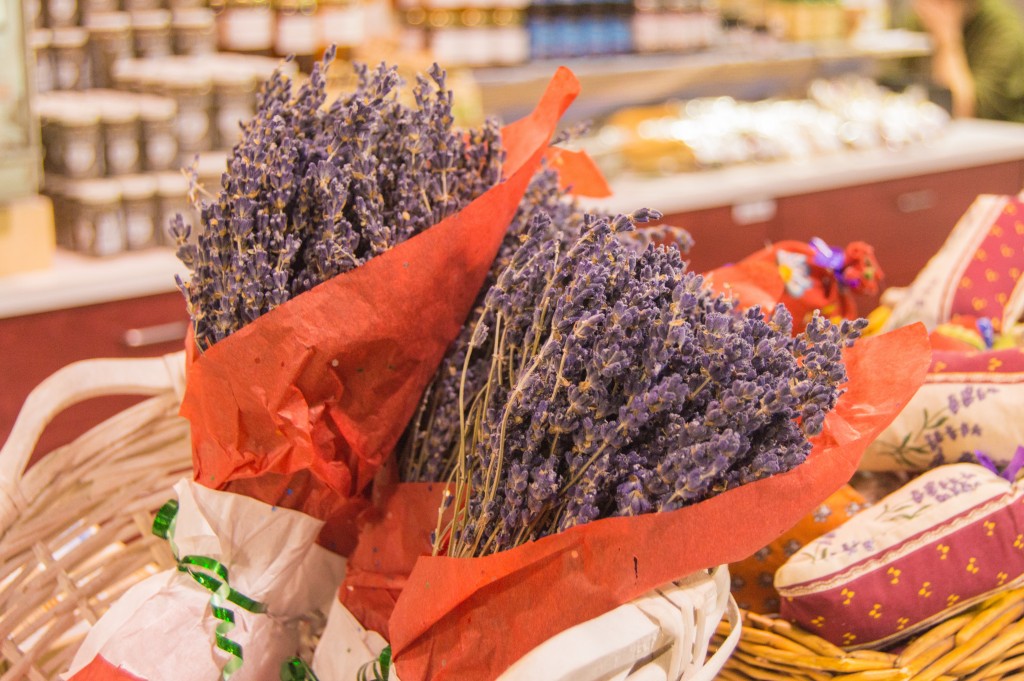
(903, 202)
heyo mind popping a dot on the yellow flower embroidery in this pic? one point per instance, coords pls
(979, 304)
(1005, 251)
(925, 590)
(995, 231)
(1015, 273)
(943, 551)
(1001, 578)
(966, 283)
(981, 255)
(901, 623)
(989, 528)
(951, 600)
(991, 275)
(848, 595)
(818, 621)
(1001, 298)
(1011, 209)
(939, 366)
(994, 363)
(875, 612)
(849, 638)
(972, 566)
(1018, 543)
(895, 574)
(1018, 227)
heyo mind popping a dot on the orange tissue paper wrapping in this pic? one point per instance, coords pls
(451, 618)
(300, 407)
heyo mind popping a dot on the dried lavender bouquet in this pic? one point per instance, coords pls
(313, 191)
(424, 454)
(616, 384)
(555, 218)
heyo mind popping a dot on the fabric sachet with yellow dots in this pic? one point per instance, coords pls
(976, 272)
(938, 545)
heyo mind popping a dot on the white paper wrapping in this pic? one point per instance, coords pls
(162, 629)
(345, 646)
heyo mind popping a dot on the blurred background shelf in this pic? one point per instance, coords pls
(752, 70)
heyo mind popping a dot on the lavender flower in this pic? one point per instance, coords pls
(314, 190)
(602, 381)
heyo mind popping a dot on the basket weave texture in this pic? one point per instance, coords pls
(75, 527)
(984, 643)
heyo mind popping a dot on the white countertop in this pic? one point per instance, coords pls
(963, 144)
(78, 280)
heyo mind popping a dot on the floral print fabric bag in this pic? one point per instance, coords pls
(970, 402)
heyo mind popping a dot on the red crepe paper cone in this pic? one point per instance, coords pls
(101, 670)
(751, 282)
(578, 173)
(300, 407)
(393, 535)
(454, 617)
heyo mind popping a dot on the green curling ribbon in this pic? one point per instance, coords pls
(212, 575)
(296, 669)
(165, 518)
(377, 670)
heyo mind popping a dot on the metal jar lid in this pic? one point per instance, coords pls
(138, 187)
(101, 192)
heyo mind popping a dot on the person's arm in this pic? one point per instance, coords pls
(944, 19)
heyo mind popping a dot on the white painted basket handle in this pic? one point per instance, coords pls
(716, 662)
(77, 382)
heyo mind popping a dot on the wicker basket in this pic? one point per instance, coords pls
(75, 535)
(983, 643)
(75, 527)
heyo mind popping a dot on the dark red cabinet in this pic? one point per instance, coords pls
(34, 346)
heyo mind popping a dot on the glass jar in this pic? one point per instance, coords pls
(70, 58)
(152, 29)
(61, 13)
(210, 169)
(295, 32)
(139, 205)
(48, 108)
(172, 199)
(80, 140)
(95, 225)
(110, 41)
(34, 17)
(88, 8)
(119, 114)
(191, 88)
(194, 31)
(159, 139)
(235, 101)
(341, 23)
(39, 43)
(246, 26)
(509, 35)
(54, 187)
